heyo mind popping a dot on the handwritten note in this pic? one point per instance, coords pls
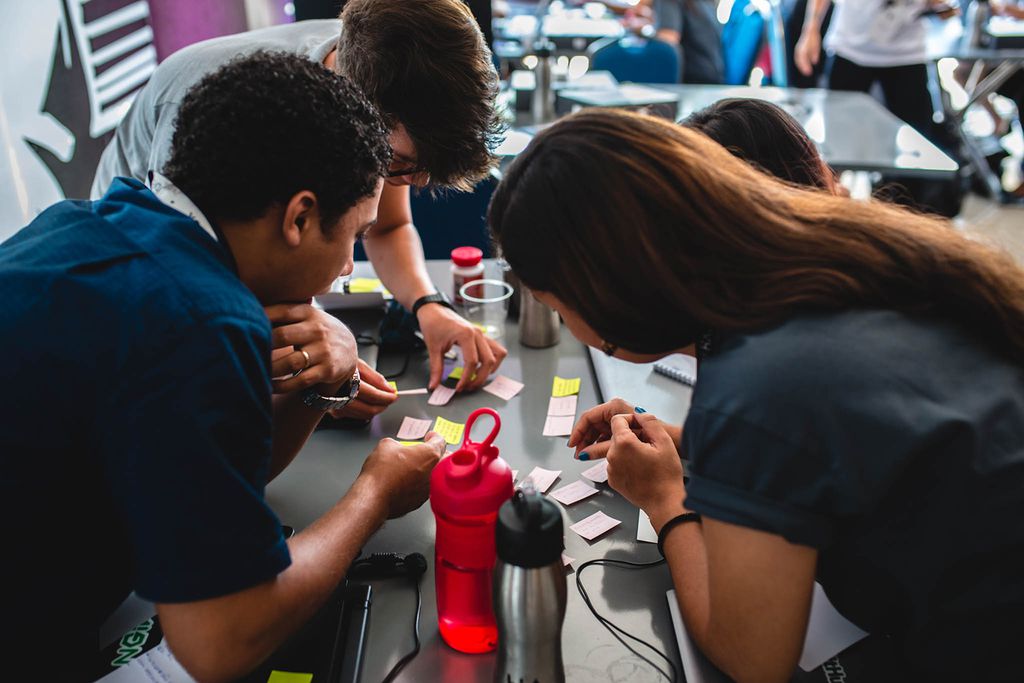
(441, 396)
(573, 493)
(595, 525)
(565, 387)
(556, 425)
(598, 473)
(543, 479)
(503, 387)
(413, 428)
(451, 431)
(562, 406)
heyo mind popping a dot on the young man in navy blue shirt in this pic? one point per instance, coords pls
(138, 356)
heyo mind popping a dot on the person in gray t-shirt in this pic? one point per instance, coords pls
(427, 68)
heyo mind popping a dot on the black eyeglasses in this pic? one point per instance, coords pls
(412, 170)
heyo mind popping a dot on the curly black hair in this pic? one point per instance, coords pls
(267, 125)
(426, 65)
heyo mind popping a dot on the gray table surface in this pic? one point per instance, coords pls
(633, 599)
(852, 130)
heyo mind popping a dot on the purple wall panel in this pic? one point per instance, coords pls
(177, 23)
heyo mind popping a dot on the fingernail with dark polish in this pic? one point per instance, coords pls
(638, 409)
(584, 456)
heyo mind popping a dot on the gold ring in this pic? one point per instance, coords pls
(305, 354)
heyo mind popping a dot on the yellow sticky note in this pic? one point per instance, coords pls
(362, 285)
(456, 374)
(565, 387)
(393, 385)
(411, 443)
(451, 431)
(289, 677)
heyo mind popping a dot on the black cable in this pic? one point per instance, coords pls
(616, 630)
(400, 664)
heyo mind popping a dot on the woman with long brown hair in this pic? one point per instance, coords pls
(858, 416)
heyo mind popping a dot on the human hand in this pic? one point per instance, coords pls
(375, 395)
(807, 51)
(593, 429)
(644, 466)
(401, 474)
(442, 328)
(329, 344)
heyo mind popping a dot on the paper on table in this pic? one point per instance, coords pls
(456, 374)
(563, 405)
(565, 387)
(451, 431)
(543, 479)
(828, 634)
(595, 525)
(393, 385)
(362, 285)
(503, 387)
(410, 443)
(153, 666)
(566, 560)
(598, 473)
(413, 428)
(573, 493)
(558, 425)
(413, 392)
(441, 396)
(644, 529)
(515, 474)
(289, 677)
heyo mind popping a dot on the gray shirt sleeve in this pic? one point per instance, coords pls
(668, 14)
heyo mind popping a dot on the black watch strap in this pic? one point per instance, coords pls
(435, 298)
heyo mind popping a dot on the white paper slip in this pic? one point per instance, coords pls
(644, 529)
(441, 396)
(153, 666)
(566, 560)
(595, 525)
(556, 425)
(598, 473)
(563, 405)
(515, 474)
(503, 387)
(413, 392)
(573, 493)
(828, 632)
(543, 479)
(413, 429)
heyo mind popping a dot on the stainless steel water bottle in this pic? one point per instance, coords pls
(539, 326)
(529, 590)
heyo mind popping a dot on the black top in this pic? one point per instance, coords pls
(893, 445)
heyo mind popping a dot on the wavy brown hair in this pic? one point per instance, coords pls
(653, 234)
(425, 64)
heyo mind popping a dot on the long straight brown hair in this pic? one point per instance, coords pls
(654, 233)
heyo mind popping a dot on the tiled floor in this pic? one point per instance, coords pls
(1000, 225)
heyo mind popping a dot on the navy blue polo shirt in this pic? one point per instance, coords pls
(136, 432)
(895, 446)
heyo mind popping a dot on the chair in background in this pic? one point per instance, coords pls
(450, 219)
(636, 59)
(754, 26)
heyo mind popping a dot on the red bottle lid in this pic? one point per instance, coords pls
(466, 257)
(473, 480)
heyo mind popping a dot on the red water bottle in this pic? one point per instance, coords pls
(466, 490)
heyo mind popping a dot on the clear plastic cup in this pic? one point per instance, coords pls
(486, 305)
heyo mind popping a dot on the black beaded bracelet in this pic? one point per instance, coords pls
(674, 522)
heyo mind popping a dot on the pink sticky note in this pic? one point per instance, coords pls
(595, 525)
(503, 387)
(598, 473)
(561, 406)
(566, 560)
(558, 425)
(441, 396)
(413, 429)
(573, 493)
(543, 479)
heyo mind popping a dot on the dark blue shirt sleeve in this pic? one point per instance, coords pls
(186, 448)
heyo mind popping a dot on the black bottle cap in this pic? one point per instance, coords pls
(529, 530)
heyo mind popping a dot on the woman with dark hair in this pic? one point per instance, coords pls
(765, 135)
(858, 417)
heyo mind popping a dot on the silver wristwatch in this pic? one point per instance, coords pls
(312, 398)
